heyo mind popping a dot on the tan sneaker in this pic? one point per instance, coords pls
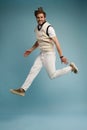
(74, 68)
(19, 91)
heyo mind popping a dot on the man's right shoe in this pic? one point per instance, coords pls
(19, 91)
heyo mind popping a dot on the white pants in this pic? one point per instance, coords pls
(48, 61)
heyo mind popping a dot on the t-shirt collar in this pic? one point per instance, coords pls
(40, 25)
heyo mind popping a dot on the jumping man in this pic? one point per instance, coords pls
(47, 41)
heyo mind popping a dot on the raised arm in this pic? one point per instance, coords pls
(29, 51)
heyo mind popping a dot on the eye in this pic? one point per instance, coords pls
(37, 17)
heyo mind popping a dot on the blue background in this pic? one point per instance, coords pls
(59, 104)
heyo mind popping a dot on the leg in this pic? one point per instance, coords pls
(33, 73)
(31, 76)
(49, 64)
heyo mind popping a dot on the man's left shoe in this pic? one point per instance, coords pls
(74, 68)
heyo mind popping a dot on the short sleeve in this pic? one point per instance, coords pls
(51, 32)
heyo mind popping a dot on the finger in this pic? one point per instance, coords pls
(25, 54)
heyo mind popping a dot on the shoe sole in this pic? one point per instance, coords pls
(17, 93)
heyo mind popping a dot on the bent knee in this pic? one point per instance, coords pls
(52, 76)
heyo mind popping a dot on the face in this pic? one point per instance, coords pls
(40, 18)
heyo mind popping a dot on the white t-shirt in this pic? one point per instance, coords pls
(51, 32)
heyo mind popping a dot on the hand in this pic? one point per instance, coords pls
(27, 52)
(64, 60)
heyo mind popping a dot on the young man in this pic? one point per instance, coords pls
(46, 40)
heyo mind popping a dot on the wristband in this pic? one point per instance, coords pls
(61, 57)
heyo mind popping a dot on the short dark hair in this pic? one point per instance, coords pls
(38, 11)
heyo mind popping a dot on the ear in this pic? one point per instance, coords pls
(45, 18)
